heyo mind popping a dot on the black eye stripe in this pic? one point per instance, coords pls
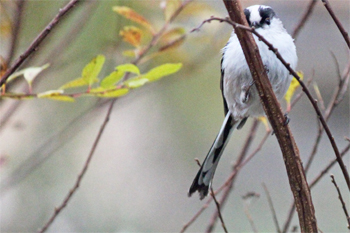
(266, 15)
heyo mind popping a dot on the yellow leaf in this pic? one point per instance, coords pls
(136, 82)
(129, 53)
(91, 70)
(292, 88)
(161, 71)
(134, 16)
(114, 94)
(132, 35)
(128, 68)
(111, 79)
(75, 83)
(97, 90)
(60, 97)
(55, 95)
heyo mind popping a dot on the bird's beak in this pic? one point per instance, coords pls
(255, 24)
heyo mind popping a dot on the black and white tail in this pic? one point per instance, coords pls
(205, 174)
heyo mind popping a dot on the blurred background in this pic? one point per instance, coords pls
(144, 164)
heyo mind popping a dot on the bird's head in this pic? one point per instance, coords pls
(260, 16)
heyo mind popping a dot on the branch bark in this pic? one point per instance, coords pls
(295, 172)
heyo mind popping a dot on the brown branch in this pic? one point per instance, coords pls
(304, 18)
(290, 152)
(273, 211)
(341, 201)
(37, 41)
(83, 171)
(337, 22)
(312, 184)
(218, 210)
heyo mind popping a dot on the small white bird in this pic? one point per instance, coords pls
(241, 98)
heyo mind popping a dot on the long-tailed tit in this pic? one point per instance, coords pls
(241, 98)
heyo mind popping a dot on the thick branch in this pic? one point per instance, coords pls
(274, 113)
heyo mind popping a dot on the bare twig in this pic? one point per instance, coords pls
(250, 195)
(304, 18)
(337, 22)
(37, 41)
(83, 171)
(341, 200)
(274, 215)
(218, 210)
(15, 30)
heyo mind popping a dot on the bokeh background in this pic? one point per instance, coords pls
(144, 164)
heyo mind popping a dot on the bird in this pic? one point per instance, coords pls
(240, 96)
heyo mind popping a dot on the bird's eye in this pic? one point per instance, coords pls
(267, 21)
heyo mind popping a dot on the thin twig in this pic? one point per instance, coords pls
(218, 210)
(273, 211)
(337, 22)
(341, 200)
(247, 213)
(15, 30)
(83, 171)
(304, 18)
(37, 41)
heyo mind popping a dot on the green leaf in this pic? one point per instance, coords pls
(55, 95)
(161, 71)
(112, 79)
(114, 94)
(91, 70)
(136, 82)
(128, 68)
(75, 83)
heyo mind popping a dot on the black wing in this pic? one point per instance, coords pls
(222, 86)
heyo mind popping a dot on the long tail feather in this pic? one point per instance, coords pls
(202, 181)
